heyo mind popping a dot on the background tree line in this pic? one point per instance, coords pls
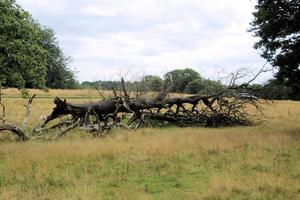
(183, 80)
(189, 81)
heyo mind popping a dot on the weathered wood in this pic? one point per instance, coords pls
(216, 110)
(28, 110)
(15, 129)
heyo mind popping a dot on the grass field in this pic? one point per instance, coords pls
(261, 162)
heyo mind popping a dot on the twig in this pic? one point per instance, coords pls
(99, 92)
(124, 90)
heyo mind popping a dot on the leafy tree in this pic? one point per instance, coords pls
(29, 53)
(277, 24)
(152, 83)
(273, 89)
(211, 87)
(190, 81)
(22, 59)
(203, 86)
(181, 77)
(105, 85)
(59, 75)
(194, 86)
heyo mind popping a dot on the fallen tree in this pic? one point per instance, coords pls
(218, 110)
(222, 109)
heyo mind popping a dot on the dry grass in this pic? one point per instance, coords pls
(82, 93)
(260, 162)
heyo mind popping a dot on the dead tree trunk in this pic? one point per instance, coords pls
(12, 127)
(15, 129)
(216, 110)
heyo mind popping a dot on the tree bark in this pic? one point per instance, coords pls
(15, 129)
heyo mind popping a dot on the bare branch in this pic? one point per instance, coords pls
(262, 70)
(15, 129)
(238, 75)
(166, 90)
(126, 96)
(99, 92)
(28, 110)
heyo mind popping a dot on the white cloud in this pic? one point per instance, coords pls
(46, 7)
(151, 36)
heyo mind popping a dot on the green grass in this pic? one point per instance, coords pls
(260, 162)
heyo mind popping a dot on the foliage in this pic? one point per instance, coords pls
(22, 58)
(29, 54)
(272, 90)
(152, 83)
(184, 80)
(277, 25)
(194, 86)
(203, 86)
(105, 85)
(181, 77)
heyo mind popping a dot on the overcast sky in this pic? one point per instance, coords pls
(108, 37)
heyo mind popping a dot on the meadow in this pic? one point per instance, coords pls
(260, 162)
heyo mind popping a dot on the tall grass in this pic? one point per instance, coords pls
(261, 162)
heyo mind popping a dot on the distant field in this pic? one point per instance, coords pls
(261, 162)
(83, 93)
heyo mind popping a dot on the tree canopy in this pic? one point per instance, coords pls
(277, 25)
(29, 53)
(181, 77)
(152, 83)
(22, 58)
(183, 80)
(203, 86)
(273, 89)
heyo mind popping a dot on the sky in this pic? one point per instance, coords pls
(111, 38)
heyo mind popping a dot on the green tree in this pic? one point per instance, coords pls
(29, 53)
(152, 83)
(59, 75)
(181, 78)
(273, 89)
(277, 24)
(194, 86)
(203, 86)
(22, 58)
